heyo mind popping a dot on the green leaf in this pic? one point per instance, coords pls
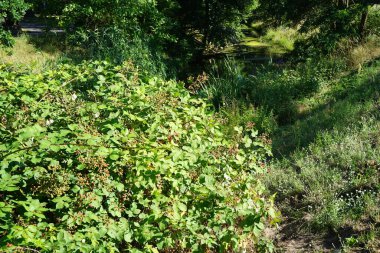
(128, 237)
(101, 79)
(62, 202)
(44, 144)
(114, 156)
(182, 207)
(119, 187)
(9, 183)
(31, 131)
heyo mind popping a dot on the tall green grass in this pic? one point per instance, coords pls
(114, 45)
(273, 89)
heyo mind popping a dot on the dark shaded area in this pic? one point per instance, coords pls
(12, 26)
(39, 26)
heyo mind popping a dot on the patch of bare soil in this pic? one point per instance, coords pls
(290, 237)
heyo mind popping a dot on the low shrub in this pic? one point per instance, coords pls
(99, 158)
(11, 12)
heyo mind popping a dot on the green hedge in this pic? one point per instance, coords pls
(97, 158)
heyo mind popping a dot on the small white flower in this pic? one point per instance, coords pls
(49, 122)
(83, 240)
(250, 203)
(74, 97)
(227, 177)
(96, 115)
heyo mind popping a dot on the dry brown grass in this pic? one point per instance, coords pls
(363, 53)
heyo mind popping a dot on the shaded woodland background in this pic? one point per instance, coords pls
(301, 79)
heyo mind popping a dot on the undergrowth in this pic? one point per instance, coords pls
(97, 157)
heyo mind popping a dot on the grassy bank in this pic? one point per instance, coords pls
(326, 174)
(323, 118)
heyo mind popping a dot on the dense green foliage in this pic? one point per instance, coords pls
(11, 11)
(216, 22)
(100, 158)
(326, 22)
(151, 33)
(46, 8)
(211, 21)
(110, 156)
(118, 30)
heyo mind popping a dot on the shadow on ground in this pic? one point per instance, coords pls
(353, 99)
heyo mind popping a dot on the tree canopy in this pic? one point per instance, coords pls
(11, 11)
(328, 19)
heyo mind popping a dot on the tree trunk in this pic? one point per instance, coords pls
(12, 26)
(206, 30)
(8, 23)
(363, 22)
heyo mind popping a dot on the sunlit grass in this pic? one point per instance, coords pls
(281, 36)
(326, 169)
(255, 46)
(253, 42)
(272, 42)
(26, 55)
